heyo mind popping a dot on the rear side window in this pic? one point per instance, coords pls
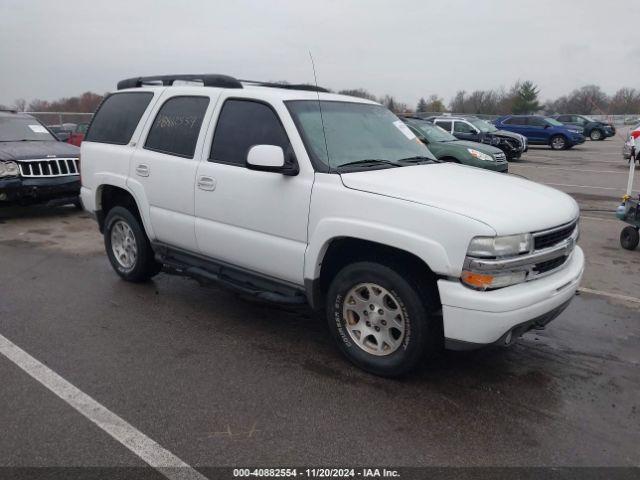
(243, 124)
(536, 122)
(515, 121)
(446, 124)
(117, 118)
(177, 125)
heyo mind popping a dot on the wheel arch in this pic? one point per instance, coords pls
(109, 196)
(340, 251)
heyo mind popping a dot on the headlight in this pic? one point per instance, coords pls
(508, 246)
(497, 247)
(479, 155)
(9, 169)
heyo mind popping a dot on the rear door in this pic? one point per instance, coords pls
(252, 219)
(165, 165)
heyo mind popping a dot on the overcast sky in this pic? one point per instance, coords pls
(51, 49)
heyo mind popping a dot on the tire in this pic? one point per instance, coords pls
(629, 238)
(597, 135)
(132, 256)
(415, 335)
(558, 142)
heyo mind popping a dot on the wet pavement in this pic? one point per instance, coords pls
(222, 380)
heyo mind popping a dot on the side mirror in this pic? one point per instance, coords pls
(270, 158)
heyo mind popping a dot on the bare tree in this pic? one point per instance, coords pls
(625, 100)
(20, 104)
(358, 92)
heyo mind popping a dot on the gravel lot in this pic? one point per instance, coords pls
(220, 380)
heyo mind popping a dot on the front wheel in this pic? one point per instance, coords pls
(558, 142)
(629, 238)
(381, 321)
(128, 247)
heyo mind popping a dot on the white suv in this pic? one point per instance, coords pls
(295, 195)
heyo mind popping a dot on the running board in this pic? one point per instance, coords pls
(209, 271)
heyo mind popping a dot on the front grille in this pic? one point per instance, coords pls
(54, 167)
(500, 157)
(549, 265)
(552, 237)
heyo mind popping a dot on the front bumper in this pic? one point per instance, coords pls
(474, 318)
(577, 139)
(28, 191)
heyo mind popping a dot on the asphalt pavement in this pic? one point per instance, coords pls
(220, 380)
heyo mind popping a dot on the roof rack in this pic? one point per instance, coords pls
(208, 80)
(288, 86)
(212, 80)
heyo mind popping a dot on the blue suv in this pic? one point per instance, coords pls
(541, 130)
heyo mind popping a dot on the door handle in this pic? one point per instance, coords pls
(206, 183)
(142, 170)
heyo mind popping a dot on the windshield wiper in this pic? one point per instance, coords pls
(371, 162)
(418, 159)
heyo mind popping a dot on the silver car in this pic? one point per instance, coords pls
(627, 148)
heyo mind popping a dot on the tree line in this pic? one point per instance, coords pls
(522, 98)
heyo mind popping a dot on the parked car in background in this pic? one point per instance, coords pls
(63, 132)
(77, 135)
(35, 166)
(448, 148)
(594, 129)
(477, 130)
(541, 130)
(630, 147)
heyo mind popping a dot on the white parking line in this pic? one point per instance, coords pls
(137, 442)
(617, 296)
(584, 186)
(625, 172)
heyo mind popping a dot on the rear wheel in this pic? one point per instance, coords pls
(558, 142)
(596, 134)
(128, 247)
(381, 321)
(629, 238)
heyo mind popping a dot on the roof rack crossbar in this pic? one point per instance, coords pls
(208, 80)
(287, 86)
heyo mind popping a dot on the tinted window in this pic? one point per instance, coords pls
(461, 127)
(243, 124)
(537, 122)
(446, 125)
(515, 121)
(117, 118)
(176, 128)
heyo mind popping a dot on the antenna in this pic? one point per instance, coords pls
(324, 132)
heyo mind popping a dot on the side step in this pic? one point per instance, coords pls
(208, 271)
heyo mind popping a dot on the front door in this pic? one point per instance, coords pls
(252, 219)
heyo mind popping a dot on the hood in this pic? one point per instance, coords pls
(482, 147)
(506, 203)
(36, 149)
(504, 133)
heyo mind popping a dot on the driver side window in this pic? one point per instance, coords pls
(463, 127)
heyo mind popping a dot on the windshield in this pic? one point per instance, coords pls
(15, 129)
(554, 122)
(355, 132)
(432, 132)
(483, 125)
